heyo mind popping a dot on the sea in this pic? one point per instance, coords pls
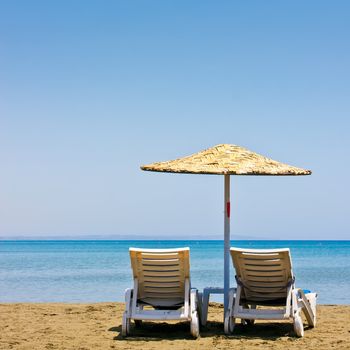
(85, 271)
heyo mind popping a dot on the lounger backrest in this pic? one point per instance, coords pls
(161, 274)
(265, 274)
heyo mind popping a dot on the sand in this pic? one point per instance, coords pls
(98, 326)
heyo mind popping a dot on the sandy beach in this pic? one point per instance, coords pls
(98, 326)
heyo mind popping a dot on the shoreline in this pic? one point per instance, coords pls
(86, 326)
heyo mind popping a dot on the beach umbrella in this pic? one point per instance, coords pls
(226, 160)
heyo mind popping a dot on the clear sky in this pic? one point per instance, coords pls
(91, 90)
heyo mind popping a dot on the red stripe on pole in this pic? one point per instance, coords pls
(228, 209)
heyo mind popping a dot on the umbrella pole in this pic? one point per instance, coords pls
(227, 242)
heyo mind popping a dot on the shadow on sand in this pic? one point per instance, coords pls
(153, 331)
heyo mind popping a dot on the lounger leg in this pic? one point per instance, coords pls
(229, 321)
(194, 313)
(246, 322)
(251, 322)
(298, 325)
(205, 304)
(297, 320)
(126, 314)
(138, 323)
(200, 306)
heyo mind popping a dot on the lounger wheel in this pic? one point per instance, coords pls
(195, 325)
(298, 326)
(229, 324)
(125, 325)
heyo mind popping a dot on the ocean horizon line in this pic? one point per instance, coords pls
(92, 238)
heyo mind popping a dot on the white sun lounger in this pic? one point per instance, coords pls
(162, 281)
(265, 278)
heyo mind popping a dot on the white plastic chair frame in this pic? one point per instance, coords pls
(266, 275)
(161, 280)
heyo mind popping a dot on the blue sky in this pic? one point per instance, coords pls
(89, 91)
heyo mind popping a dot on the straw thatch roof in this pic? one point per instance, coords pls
(226, 159)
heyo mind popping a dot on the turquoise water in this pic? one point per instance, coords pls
(92, 271)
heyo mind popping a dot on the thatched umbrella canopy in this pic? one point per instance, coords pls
(226, 160)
